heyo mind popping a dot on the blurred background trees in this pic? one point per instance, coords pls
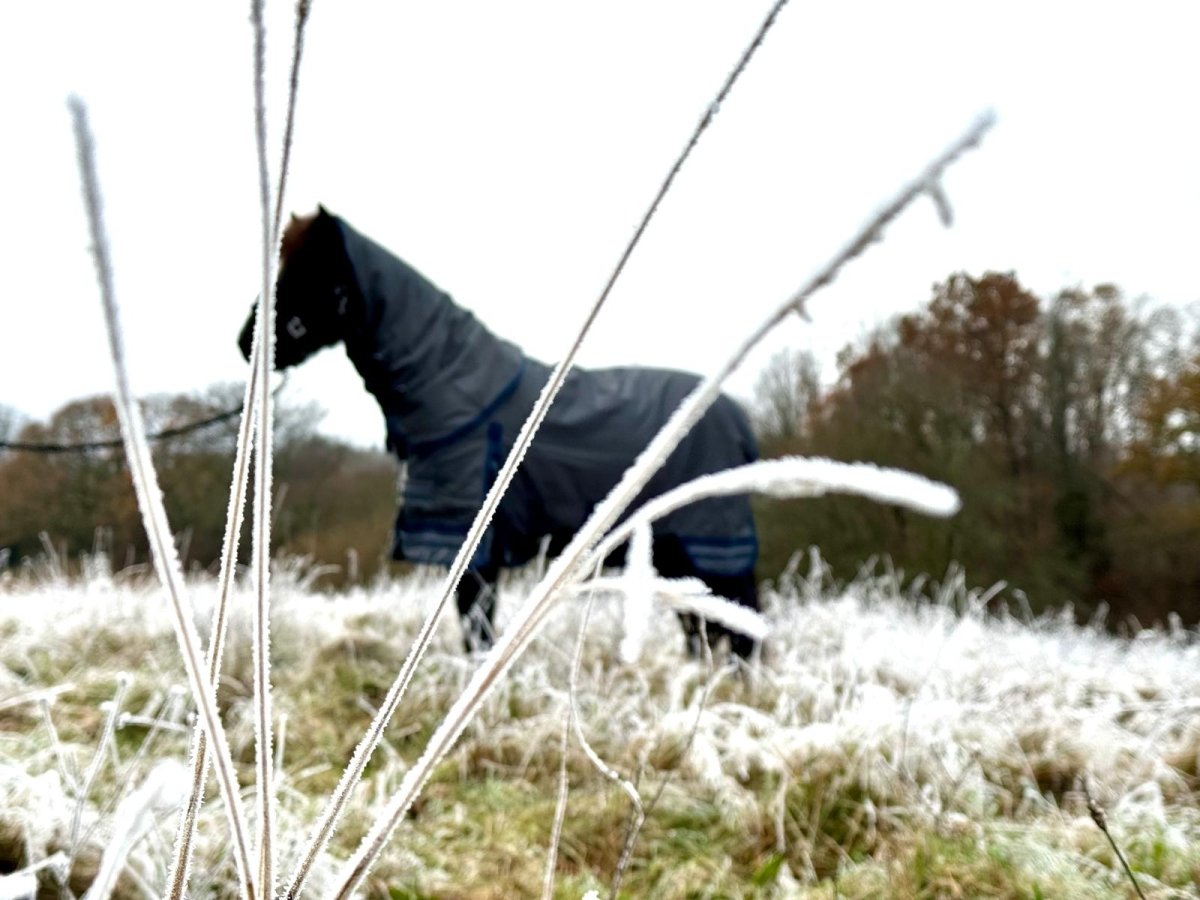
(1071, 428)
(333, 503)
(1070, 425)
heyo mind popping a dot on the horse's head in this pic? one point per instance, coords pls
(310, 292)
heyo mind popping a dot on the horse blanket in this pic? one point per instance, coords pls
(454, 397)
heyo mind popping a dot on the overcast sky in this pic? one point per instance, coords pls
(508, 151)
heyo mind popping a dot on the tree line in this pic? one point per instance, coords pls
(333, 503)
(1071, 427)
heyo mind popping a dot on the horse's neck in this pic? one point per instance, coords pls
(431, 365)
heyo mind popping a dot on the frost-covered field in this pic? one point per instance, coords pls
(888, 745)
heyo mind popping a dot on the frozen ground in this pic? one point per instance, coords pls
(888, 744)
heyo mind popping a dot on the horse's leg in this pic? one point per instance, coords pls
(743, 590)
(477, 607)
(670, 561)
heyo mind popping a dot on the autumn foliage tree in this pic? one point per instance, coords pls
(1066, 426)
(1160, 473)
(1070, 426)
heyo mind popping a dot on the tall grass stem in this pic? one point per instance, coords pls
(93, 769)
(639, 821)
(303, 8)
(66, 765)
(327, 821)
(576, 556)
(1096, 811)
(182, 856)
(560, 806)
(792, 476)
(154, 516)
(261, 556)
(168, 712)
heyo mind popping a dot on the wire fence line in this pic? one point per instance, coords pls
(55, 447)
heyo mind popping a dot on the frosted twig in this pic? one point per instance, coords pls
(234, 515)
(66, 766)
(93, 769)
(938, 195)
(154, 516)
(574, 720)
(1097, 813)
(237, 503)
(685, 595)
(639, 578)
(560, 807)
(784, 477)
(41, 695)
(182, 855)
(154, 723)
(362, 753)
(604, 768)
(527, 621)
(261, 556)
(164, 788)
(793, 476)
(639, 821)
(164, 721)
(303, 8)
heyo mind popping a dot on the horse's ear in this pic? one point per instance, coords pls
(293, 235)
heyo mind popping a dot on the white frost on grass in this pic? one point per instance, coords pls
(638, 589)
(162, 792)
(926, 714)
(798, 476)
(19, 886)
(683, 595)
(795, 477)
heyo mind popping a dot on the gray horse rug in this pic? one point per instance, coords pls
(454, 397)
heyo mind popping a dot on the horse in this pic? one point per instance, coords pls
(454, 397)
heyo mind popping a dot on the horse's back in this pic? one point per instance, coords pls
(601, 420)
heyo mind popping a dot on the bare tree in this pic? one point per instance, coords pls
(10, 422)
(784, 394)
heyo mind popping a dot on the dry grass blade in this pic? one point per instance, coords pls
(303, 8)
(234, 516)
(42, 696)
(89, 778)
(262, 363)
(182, 857)
(1096, 811)
(154, 516)
(362, 753)
(684, 595)
(166, 720)
(643, 814)
(66, 766)
(560, 807)
(569, 723)
(793, 476)
(261, 618)
(576, 556)
(162, 790)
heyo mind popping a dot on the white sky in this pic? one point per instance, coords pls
(508, 150)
